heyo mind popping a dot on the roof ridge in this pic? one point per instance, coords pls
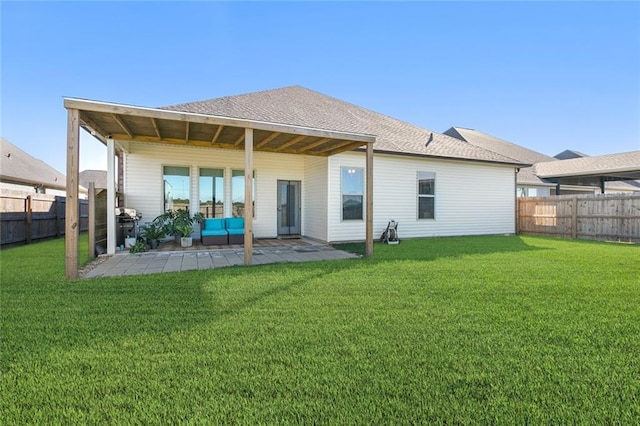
(227, 97)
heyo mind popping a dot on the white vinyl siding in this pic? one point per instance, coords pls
(315, 197)
(472, 198)
(144, 178)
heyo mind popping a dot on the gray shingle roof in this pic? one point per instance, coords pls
(543, 165)
(526, 175)
(300, 106)
(99, 177)
(569, 153)
(16, 166)
(498, 145)
(586, 166)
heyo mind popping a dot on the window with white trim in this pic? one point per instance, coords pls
(237, 193)
(426, 195)
(211, 198)
(177, 187)
(352, 193)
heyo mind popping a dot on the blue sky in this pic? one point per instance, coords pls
(549, 76)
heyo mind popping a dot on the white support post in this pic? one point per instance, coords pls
(111, 196)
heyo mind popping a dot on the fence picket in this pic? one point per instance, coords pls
(593, 217)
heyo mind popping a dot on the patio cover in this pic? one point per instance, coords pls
(110, 121)
(592, 171)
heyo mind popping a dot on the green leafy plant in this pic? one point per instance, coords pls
(184, 229)
(138, 247)
(153, 231)
(181, 222)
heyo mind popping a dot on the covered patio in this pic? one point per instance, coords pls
(121, 124)
(173, 258)
(593, 171)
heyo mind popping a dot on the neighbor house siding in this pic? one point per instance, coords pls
(470, 198)
(314, 198)
(144, 190)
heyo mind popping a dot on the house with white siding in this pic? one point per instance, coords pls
(430, 183)
(310, 172)
(538, 180)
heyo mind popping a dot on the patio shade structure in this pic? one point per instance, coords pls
(592, 171)
(109, 122)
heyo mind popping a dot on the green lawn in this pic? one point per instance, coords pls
(469, 330)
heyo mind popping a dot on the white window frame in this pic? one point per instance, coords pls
(253, 190)
(419, 195)
(343, 193)
(224, 195)
(164, 201)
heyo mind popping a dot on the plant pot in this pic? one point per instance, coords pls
(186, 241)
(129, 242)
(153, 243)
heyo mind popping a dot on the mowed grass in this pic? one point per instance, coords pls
(466, 330)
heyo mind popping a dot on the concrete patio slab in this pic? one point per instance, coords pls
(173, 261)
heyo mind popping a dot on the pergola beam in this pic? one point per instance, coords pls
(334, 147)
(312, 145)
(156, 128)
(101, 134)
(123, 125)
(346, 146)
(268, 139)
(239, 140)
(218, 131)
(291, 142)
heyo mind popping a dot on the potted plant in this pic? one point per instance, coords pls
(181, 224)
(185, 230)
(153, 232)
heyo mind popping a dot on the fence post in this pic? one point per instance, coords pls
(517, 215)
(57, 209)
(574, 217)
(28, 210)
(91, 225)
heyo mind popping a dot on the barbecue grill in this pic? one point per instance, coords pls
(126, 224)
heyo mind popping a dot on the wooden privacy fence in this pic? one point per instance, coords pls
(25, 218)
(609, 217)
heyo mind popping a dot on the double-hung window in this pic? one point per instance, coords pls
(352, 193)
(426, 195)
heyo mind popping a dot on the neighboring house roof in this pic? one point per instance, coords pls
(498, 145)
(526, 175)
(627, 185)
(547, 169)
(569, 153)
(99, 177)
(624, 165)
(299, 106)
(18, 167)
